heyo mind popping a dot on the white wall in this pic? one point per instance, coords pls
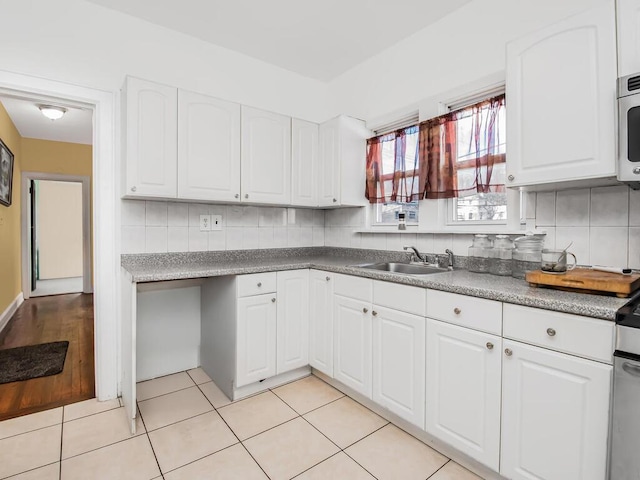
(158, 227)
(85, 44)
(59, 229)
(464, 46)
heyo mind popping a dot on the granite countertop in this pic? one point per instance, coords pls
(176, 266)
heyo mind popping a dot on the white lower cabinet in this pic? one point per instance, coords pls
(256, 339)
(463, 390)
(399, 363)
(321, 321)
(352, 343)
(292, 344)
(555, 415)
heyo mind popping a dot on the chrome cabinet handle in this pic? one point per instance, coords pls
(365, 310)
(328, 278)
(237, 195)
(273, 300)
(551, 332)
(457, 311)
(246, 195)
(631, 369)
(508, 352)
(511, 178)
(335, 200)
(259, 284)
(374, 313)
(489, 346)
(133, 189)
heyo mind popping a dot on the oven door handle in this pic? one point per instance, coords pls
(631, 369)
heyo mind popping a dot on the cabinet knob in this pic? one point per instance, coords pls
(335, 200)
(273, 300)
(327, 278)
(457, 311)
(636, 171)
(511, 178)
(246, 195)
(489, 346)
(551, 332)
(374, 313)
(259, 284)
(365, 310)
(508, 352)
(237, 195)
(133, 189)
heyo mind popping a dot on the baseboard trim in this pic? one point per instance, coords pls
(10, 310)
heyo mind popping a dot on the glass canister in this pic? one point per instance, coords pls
(478, 260)
(527, 254)
(500, 262)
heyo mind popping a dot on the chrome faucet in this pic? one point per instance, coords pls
(450, 253)
(416, 253)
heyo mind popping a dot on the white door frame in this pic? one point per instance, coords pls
(26, 225)
(106, 212)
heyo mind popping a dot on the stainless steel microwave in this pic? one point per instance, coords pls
(629, 130)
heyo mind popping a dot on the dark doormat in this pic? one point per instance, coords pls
(33, 361)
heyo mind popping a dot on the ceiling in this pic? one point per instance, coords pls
(320, 39)
(76, 126)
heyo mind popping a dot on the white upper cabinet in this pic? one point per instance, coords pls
(304, 163)
(342, 159)
(555, 415)
(628, 37)
(265, 157)
(151, 121)
(561, 101)
(208, 148)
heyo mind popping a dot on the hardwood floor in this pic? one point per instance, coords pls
(49, 319)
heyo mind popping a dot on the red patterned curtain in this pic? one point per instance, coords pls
(392, 170)
(463, 152)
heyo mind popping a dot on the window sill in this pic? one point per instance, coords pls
(467, 230)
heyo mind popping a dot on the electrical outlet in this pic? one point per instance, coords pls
(205, 223)
(216, 222)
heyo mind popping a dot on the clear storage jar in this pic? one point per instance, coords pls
(478, 259)
(500, 258)
(527, 254)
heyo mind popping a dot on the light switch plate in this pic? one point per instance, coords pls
(205, 223)
(216, 222)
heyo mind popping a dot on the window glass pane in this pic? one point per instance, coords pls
(388, 212)
(481, 207)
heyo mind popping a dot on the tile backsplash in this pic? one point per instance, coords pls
(158, 227)
(603, 223)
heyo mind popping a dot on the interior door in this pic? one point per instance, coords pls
(33, 222)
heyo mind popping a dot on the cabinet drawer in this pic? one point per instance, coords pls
(256, 284)
(471, 312)
(583, 336)
(354, 287)
(400, 297)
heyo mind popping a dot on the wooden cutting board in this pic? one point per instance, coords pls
(586, 280)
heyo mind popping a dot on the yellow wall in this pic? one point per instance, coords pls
(56, 157)
(10, 275)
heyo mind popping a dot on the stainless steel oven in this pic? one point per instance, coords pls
(629, 130)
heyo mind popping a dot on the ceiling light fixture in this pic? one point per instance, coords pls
(52, 112)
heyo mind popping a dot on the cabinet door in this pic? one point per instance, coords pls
(293, 320)
(628, 37)
(555, 415)
(561, 111)
(208, 148)
(151, 139)
(321, 321)
(329, 164)
(266, 157)
(304, 163)
(399, 363)
(463, 390)
(256, 339)
(352, 343)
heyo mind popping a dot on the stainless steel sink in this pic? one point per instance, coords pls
(403, 268)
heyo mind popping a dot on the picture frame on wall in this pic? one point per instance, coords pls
(6, 174)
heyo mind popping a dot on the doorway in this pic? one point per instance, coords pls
(56, 234)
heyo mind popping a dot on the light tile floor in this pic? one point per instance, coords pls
(188, 430)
